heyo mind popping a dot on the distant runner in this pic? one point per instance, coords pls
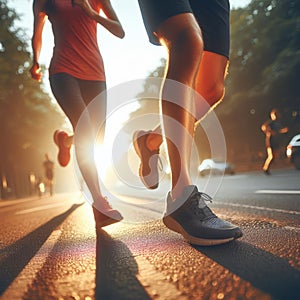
(49, 173)
(272, 129)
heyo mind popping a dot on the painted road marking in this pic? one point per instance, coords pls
(235, 176)
(292, 228)
(292, 212)
(287, 192)
(15, 202)
(19, 286)
(39, 208)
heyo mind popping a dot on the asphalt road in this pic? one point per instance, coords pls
(49, 248)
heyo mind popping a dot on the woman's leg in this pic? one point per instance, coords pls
(68, 92)
(95, 97)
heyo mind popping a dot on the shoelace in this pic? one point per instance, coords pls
(203, 211)
(160, 164)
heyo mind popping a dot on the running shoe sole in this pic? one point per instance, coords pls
(63, 155)
(107, 219)
(136, 146)
(175, 226)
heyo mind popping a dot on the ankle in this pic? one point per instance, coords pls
(178, 189)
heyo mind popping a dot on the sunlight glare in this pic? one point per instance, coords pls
(114, 124)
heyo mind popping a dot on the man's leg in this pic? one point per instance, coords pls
(210, 85)
(186, 210)
(268, 160)
(210, 82)
(183, 64)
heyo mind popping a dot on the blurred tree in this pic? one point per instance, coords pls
(28, 117)
(151, 91)
(263, 74)
(148, 99)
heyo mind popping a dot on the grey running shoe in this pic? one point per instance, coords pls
(148, 170)
(191, 217)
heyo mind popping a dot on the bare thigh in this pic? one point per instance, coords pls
(181, 35)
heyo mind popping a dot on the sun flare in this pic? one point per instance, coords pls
(111, 151)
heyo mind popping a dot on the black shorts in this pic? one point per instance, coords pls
(211, 15)
(273, 142)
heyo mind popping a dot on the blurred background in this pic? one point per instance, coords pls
(263, 74)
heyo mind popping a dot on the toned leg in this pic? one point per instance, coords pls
(186, 211)
(89, 91)
(95, 97)
(272, 154)
(181, 36)
(210, 64)
(268, 160)
(68, 94)
(209, 84)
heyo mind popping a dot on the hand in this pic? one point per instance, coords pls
(36, 73)
(85, 5)
(284, 130)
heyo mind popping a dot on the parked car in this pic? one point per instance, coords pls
(215, 167)
(293, 151)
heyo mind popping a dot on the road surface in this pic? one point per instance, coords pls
(49, 248)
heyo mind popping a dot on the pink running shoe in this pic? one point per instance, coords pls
(104, 214)
(148, 169)
(64, 154)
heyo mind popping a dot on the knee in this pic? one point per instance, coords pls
(189, 43)
(214, 93)
(185, 49)
(185, 52)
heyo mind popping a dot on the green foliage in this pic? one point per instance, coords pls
(149, 101)
(263, 74)
(27, 115)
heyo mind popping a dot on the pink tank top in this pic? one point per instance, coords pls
(76, 50)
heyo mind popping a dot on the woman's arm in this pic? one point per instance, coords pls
(111, 22)
(36, 42)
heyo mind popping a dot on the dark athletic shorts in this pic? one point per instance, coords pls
(211, 15)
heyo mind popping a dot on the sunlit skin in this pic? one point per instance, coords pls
(209, 83)
(36, 72)
(74, 110)
(204, 72)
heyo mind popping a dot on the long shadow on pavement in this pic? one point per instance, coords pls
(15, 257)
(116, 271)
(265, 271)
